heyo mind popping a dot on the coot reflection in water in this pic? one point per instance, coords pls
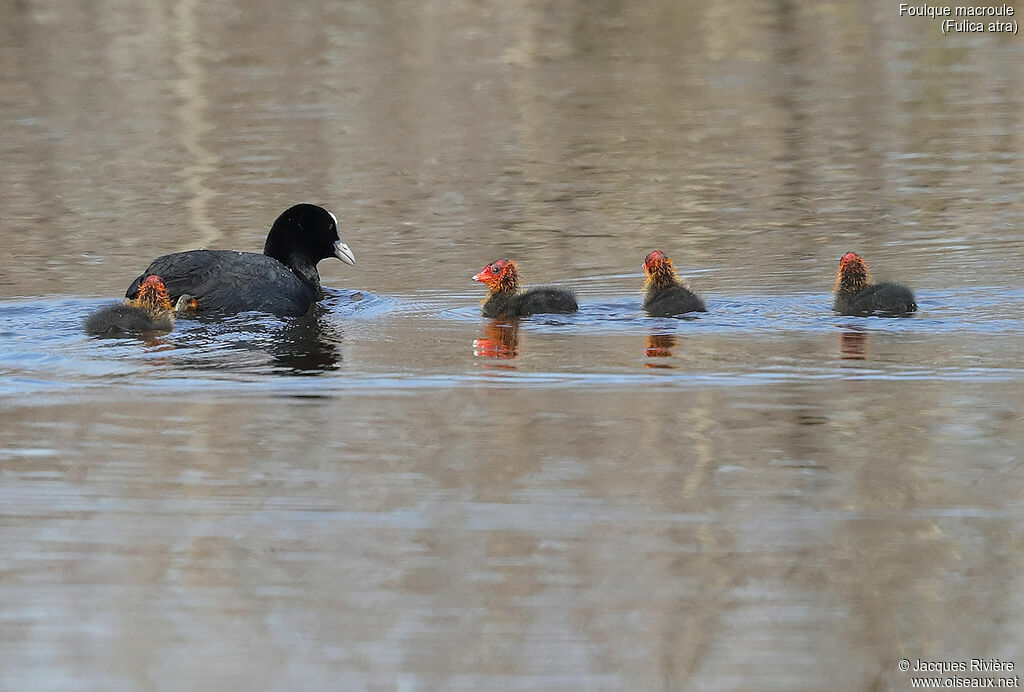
(307, 345)
(660, 345)
(500, 340)
(853, 345)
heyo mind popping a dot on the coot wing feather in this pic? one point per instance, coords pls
(228, 282)
(545, 300)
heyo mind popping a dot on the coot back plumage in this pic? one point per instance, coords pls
(283, 280)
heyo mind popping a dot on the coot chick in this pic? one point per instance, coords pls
(665, 294)
(149, 311)
(856, 295)
(504, 299)
(283, 280)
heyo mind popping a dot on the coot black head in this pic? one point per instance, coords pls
(305, 234)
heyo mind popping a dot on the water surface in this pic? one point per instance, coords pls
(396, 493)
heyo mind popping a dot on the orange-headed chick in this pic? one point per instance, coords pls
(856, 295)
(504, 299)
(665, 294)
(152, 296)
(149, 311)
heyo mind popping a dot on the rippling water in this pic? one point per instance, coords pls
(393, 492)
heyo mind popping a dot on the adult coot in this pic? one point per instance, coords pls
(149, 311)
(856, 295)
(665, 294)
(504, 299)
(283, 280)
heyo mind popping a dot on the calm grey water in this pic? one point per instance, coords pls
(394, 493)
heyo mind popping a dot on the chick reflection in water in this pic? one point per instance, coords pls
(853, 345)
(500, 341)
(660, 346)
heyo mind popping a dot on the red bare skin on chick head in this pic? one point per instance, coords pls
(660, 271)
(853, 273)
(152, 295)
(500, 276)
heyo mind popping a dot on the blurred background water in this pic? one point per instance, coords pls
(394, 493)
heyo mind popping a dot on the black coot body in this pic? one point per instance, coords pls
(673, 300)
(283, 280)
(127, 319)
(228, 282)
(532, 302)
(885, 297)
